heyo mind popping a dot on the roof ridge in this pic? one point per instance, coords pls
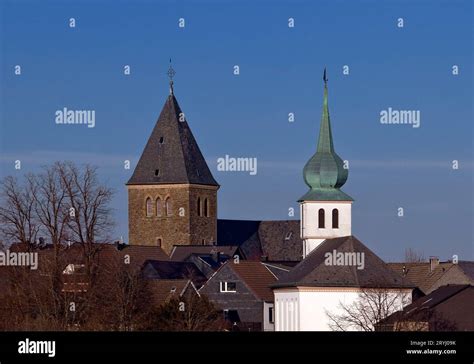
(180, 134)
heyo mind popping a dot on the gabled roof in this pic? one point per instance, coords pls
(313, 272)
(165, 289)
(171, 154)
(420, 273)
(425, 278)
(278, 270)
(181, 252)
(277, 240)
(257, 278)
(105, 254)
(155, 269)
(453, 303)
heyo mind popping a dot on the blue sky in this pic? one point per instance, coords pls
(391, 166)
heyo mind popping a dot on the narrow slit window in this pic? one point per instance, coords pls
(335, 219)
(149, 207)
(321, 219)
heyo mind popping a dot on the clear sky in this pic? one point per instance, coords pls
(246, 115)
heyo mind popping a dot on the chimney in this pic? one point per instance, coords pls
(434, 261)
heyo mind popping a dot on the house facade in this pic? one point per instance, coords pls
(242, 291)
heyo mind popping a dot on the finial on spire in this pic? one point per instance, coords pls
(171, 72)
(325, 78)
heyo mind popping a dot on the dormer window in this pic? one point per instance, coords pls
(288, 235)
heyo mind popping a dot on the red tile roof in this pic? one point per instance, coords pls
(257, 277)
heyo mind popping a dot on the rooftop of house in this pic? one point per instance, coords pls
(256, 276)
(263, 240)
(314, 270)
(155, 269)
(164, 290)
(425, 274)
(456, 300)
(181, 252)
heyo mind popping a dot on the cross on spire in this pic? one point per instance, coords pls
(325, 79)
(171, 72)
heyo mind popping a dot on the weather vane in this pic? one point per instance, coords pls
(171, 72)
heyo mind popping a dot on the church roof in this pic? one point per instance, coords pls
(314, 272)
(171, 154)
(324, 173)
(277, 240)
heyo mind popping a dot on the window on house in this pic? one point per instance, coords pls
(206, 207)
(270, 315)
(159, 242)
(157, 172)
(335, 218)
(149, 207)
(321, 219)
(199, 207)
(159, 207)
(168, 207)
(162, 140)
(228, 287)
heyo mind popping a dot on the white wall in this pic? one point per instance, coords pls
(267, 325)
(305, 309)
(311, 234)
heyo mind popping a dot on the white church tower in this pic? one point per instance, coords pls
(325, 210)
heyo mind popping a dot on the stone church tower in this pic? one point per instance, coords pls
(172, 195)
(325, 209)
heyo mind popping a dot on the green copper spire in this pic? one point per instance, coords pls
(324, 173)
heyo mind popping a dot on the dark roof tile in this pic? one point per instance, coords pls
(171, 154)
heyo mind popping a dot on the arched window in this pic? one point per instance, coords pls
(159, 207)
(149, 207)
(199, 207)
(159, 242)
(168, 207)
(321, 219)
(335, 218)
(206, 207)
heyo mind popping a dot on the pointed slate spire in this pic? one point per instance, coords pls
(324, 173)
(171, 154)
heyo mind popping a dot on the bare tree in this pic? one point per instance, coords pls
(413, 256)
(89, 212)
(17, 221)
(62, 204)
(371, 306)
